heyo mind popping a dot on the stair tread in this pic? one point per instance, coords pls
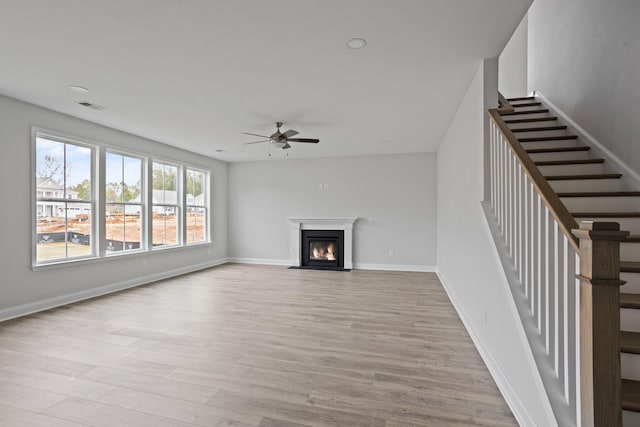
(557, 149)
(548, 138)
(539, 129)
(631, 395)
(585, 176)
(532, 120)
(515, 113)
(601, 194)
(632, 238)
(629, 267)
(629, 300)
(630, 342)
(628, 214)
(523, 98)
(569, 162)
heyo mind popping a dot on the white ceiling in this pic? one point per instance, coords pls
(197, 73)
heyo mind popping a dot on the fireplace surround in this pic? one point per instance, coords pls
(328, 225)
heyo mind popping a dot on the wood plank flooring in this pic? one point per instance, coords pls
(247, 345)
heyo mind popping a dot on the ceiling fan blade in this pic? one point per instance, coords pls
(286, 146)
(255, 134)
(311, 140)
(290, 133)
(256, 142)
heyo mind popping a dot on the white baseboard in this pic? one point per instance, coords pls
(516, 404)
(46, 304)
(261, 261)
(395, 267)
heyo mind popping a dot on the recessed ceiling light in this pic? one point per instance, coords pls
(78, 89)
(356, 43)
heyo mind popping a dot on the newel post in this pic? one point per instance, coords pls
(600, 283)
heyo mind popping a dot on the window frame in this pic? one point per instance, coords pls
(206, 207)
(98, 201)
(93, 202)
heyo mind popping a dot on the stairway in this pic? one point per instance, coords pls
(590, 191)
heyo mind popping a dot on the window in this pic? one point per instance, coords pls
(133, 205)
(124, 218)
(64, 200)
(166, 205)
(197, 213)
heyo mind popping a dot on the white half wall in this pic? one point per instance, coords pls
(23, 290)
(512, 71)
(468, 263)
(394, 197)
(584, 56)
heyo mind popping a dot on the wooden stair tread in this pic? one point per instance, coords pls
(631, 395)
(548, 138)
(569, 162)
(557, 149)
(606, 214)
(632, 238)
(526, 104)
(539, 129)
(524, 98)
(630, 342)
(515, 113)
(532, 120)
(629, 300)
(601, 194)
(629, 267)
(585, 176)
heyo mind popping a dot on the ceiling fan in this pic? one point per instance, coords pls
(281, 139)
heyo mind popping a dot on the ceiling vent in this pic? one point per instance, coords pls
(90, 105)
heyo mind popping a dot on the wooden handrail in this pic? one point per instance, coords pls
(504, 106)
(563, 217)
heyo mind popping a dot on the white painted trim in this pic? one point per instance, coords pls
(510, 394)
(628, 174)
(46, 304)
(261, 261)
(325, 223)
(395, 267)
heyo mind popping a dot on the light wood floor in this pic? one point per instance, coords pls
(251, 345)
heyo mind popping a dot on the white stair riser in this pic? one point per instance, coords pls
(630, 364)
(630, 319)
(633, 283)
(630, 419)
(540, 133)
(599, 204)
(549, 144)
(575, 185)
(630, 251)
(525, 116)
(562, 155)
(581, 169)
(532, 124)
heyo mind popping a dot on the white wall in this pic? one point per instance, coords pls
(512, 73)
(468, 263)
(23, 290)
(584, 56)
(398, 192)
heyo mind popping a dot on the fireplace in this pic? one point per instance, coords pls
(330, 237)
(323, 249)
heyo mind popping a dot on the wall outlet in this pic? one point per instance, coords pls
(392, 253)
(209, 251)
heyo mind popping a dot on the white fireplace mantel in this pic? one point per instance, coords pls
(345, 224)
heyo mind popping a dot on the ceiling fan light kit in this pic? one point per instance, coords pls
(281, 139)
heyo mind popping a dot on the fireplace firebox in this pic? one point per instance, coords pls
(322, 249)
